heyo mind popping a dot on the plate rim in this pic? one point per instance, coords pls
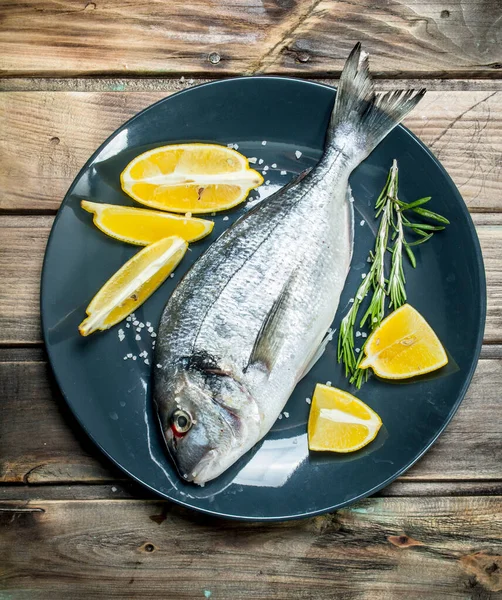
(481, 276)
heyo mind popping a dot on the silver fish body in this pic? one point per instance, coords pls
(242, 326)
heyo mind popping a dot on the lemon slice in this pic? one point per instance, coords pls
(404, 345)
(340, 422)
(190, 178)
(142, 227)
(132, 284)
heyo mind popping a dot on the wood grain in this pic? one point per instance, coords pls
(21, 254)
(64, 37)
(41, 443)
(48, 136)
(378, 549)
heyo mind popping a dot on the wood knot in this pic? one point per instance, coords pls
(54, 141)
(486, 568)
(403, 541)
(90, 6)
(147, 547)
(445, 14)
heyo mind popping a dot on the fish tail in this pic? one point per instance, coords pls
(361, 118)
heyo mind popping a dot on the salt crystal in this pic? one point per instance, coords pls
(365, 335)
(129, 318)
(129, 355)
(363, 275)
(128, 325)
(135, 323)
(375, 319)
(298, 154)
(190, 81)
(138, 337)
(134, 357)
(230, 145)
(280, 416)
(284, 172)
(265, 168)
(358, 334)
(264, 143)
(351, 199)
(159, 366)
(286, 414)
(236, 146)
(141, 325)
(148, 324)
(114, 489)
(225, 218)
(138, 329)
(267, 182)
(150, 329)
(358, 350)
(172, 275)
(351, 300)
(328, 382)
(125, 357)
(146, 361)
(260, 162)
(362, 223)
(154, 334)
(252, 160)
(308, 400)
(274, 166)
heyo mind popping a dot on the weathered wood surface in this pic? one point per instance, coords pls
(21, 254)
(378, 549)
(41, 443)
(48, 136)
(63, 37)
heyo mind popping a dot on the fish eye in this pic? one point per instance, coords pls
(181, 421)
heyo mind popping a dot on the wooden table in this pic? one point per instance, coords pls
(71, 525)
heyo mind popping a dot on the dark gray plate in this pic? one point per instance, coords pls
(110, 396)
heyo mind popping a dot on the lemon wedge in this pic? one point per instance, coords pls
(142, 227)
(340, 422)
(190, 178)
(403, 345)
(132, 284)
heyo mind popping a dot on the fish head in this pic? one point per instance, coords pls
(209, 419)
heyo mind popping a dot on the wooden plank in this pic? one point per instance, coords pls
(48, 136)
(130, 490)
(378, 549)
(41, 443)
(21, 254)
(248, 36)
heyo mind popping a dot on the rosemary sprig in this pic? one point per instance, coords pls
(392, 225)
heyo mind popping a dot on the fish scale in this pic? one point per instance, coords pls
(243, 325)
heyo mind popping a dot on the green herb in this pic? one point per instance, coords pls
(393, 224)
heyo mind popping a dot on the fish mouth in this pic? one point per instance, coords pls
(201, 473)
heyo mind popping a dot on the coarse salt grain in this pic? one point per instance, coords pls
(128, 318)
(225, 218)
(129, 355)
(260, 162)
(159, 366)
(280, 416)
(286, 414)
(328, 382)
(230, 145)
(128, 325)
(146, 361)
(363, 275)
(141, 325)
(298, 153)
(135, 323)
(154, 334)
(236, 146)
(138, 337)
(125, 357)
(362, 222)
(265, 168)
(274, 165)
(308, 400)
(150, 329)
(351, 300)
(148, 324)
(114, 489)
(138, 329)
(358, 350)
(252, 160)
(358, 334)
(134, 357)
(267, 182)
(264, 143)
(284, 172)
(365, 335)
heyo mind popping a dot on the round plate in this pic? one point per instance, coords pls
(270, 118)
